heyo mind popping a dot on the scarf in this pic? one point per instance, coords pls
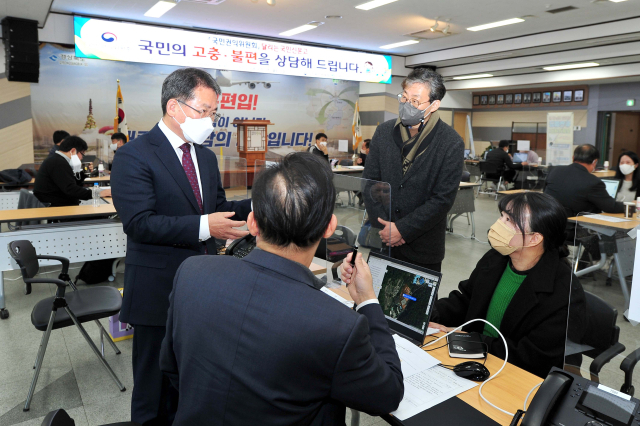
(407, 161)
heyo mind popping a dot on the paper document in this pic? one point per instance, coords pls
(413, 359)
(343, 145)
(427, 388)
(336, 296)
(607, 218)
(355, 167)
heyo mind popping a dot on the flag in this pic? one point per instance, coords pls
(120, 121)
(355, 127)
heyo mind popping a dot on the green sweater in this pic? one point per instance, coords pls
(507, 286)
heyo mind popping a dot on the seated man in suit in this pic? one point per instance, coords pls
(253, 341)
(320, 147)
(117, 141)
(60, 179)
(577, 189)
(502, 160)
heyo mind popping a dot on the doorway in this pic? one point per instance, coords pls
(460, 126)
(625, 134)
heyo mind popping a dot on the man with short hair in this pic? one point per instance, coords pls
(59, 181)
(420, 156)
(577, 189)
(253, 341)
(168, 193)
(501, 158)
(117, 140)
(58, 136)
(320, 147)
(364, 150)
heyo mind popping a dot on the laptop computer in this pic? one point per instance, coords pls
(406, 294)
(519, 157)
(612, 186)
(466, 153)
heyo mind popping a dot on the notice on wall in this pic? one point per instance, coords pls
(559, 138)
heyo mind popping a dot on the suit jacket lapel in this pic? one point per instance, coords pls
(204, 178)
(168, 156)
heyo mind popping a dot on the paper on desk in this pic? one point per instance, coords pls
(607, 218)
(413, 359)
(347, 303)
(428, 388)
(355, 167)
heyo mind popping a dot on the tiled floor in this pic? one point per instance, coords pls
(72, 377)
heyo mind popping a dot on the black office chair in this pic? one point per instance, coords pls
(26, 200)
(346, 162)
(487, 170)
(61, 418)
(79, 306)
(466, 176)
(602, 334)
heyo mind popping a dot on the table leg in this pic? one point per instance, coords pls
(623, 281)
(4, 314)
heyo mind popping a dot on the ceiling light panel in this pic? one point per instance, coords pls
(373, 4)
(572, 66)
(496, 24)
(402, 43)
(469, 77)
(301, 29)
(160, 8)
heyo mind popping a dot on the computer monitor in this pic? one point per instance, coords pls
(406, 294)
(466, 153)
(612, 186)
(519, 157)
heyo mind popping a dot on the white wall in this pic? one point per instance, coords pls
(457, 99)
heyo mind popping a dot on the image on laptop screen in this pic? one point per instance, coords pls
(612, 187)
(406, 293)
(467, 152)
(519, 157)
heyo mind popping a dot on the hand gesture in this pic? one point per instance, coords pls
(220, 226)
(390, 234)
(358, 279)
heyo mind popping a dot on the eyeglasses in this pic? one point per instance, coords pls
(214, 116)
(403, 99)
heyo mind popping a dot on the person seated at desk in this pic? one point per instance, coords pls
(532, 157)
(254, 341)
(117, 141)
(521, 286)
(60, 178)
(577, 189)
(364, 150)
(502, 160)
(58, 136)
(320, 147)
(627, 173)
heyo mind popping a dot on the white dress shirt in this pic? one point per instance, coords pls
(367, 302)
(176, 142)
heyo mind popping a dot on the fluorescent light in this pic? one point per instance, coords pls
(468, 77)
(496, 24)
(572, 66)
(617, 1)
(298, 30)
(373, 4)
(402, 43)
(160, 8)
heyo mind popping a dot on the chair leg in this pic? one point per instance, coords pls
(355, 417)
(39, 359)
(473, 225)
(94, 348)
(111, 342)
(577, 259)
(498, 188)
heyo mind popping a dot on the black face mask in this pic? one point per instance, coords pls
(410, 115)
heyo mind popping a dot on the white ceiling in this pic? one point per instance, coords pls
(36, 10)
(358, 29)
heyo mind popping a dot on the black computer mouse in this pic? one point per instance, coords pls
(472, 370)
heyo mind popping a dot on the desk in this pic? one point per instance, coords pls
(47, 213)
(605, 174)
(357, 172)
(507, 391)
(101, 179)
(518, 191)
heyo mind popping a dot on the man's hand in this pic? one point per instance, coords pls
(324, 149)
(525, 163)
(220, 226)
(358, 279)
(390, 234)
(105, 192)
(359, 161)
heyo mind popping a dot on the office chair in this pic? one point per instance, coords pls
(76, 307)
(346, 162)
(601, 336)
(61, 418)
(487, 169)
(26, 200)
(341, 236)
(466, 176)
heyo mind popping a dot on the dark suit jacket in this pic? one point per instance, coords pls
(580, 191)
(254, 342)
(161, 218)
(500, 158)
(56, 184)
(535, 322)
(421, 199)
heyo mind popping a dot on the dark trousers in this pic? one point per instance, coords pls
(154, 400)
(395, 253)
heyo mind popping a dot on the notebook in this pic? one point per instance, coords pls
(466, 345)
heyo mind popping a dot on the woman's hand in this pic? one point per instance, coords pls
(441, 327)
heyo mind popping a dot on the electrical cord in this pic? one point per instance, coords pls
(506, 348)
(524, 406)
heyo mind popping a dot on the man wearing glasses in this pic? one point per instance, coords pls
(421, 157)
(168, 193)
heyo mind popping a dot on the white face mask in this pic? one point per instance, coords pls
(323, 143)
(114, 146)
(196, 130)
(627, 169)
(76, 164)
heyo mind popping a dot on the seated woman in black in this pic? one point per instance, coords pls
(521, 286)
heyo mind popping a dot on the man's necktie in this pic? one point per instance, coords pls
(190, 170)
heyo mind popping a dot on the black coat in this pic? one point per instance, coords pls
(580, 191)
(161, 218)
(254, 342)
(535, 322)
(421, 199)
(57, 185)
(501, 159)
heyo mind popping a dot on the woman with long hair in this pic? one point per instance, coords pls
(627, 172)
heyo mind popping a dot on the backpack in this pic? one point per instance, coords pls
(95, 271)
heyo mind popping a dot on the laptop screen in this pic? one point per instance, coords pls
(612, 187)
(467, 152)
(519, 157)
(406, 294)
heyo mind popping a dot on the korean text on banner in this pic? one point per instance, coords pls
(559, 138)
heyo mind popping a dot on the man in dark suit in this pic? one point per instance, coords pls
(320, 147)
(421, 157)
(577, 189)
(253, 341)
(502, 160)
(168, 193)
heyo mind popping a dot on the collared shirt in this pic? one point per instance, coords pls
(176, 142)
(64, 156)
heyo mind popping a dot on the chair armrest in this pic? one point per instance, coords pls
(605, 357)
(63, 260)
(627, 365)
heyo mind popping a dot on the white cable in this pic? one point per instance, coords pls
(492, 377)
(524, 407)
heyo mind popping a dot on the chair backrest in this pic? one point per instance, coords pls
(346, 162)
(487, 167)
(25, 256)
(602, 331)
(27, 200)
(58, 418)
(466, 176)
(346, 234)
